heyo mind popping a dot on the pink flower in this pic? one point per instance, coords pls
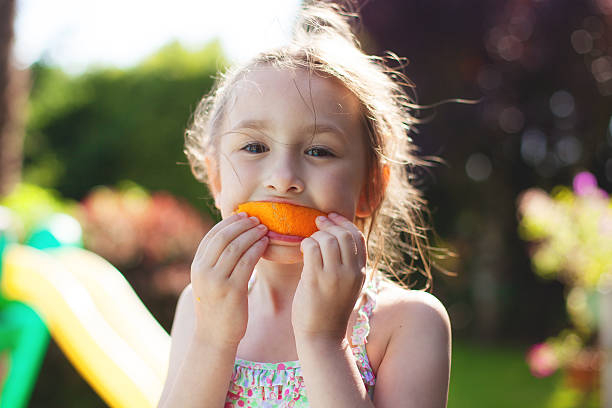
(584, 183)
(542, 360)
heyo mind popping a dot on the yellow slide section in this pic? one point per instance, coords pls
(96, 318)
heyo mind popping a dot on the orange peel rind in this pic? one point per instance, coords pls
(283, 218)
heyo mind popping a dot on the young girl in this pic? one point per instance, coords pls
(277, 321)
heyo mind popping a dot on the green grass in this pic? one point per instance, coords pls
(483, 376)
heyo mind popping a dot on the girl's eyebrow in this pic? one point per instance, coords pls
(313, 128)
(316, 128)
(251, 124)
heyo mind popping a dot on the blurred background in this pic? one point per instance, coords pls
(95, 99)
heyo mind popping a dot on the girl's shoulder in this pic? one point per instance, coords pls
(410, 345)
(400, 311)
(392, 295)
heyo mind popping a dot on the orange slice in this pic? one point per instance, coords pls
(288, 219)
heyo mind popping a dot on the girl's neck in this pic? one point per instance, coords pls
(275, 286)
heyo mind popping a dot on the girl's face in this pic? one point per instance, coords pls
(292, 137)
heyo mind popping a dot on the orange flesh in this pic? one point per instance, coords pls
(287, 219)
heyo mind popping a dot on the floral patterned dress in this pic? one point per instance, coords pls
(281, 385)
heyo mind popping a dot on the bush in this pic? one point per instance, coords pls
(150, 236)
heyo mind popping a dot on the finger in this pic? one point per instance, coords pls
(330, 249)
(234, 249)
(213, 231)
(246, 264)
(346, 241)
(223, 237)
(312, 253)
(358, 236)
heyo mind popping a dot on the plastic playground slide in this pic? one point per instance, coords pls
(95, 317)
(24, 338)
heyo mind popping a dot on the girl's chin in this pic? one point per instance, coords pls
(286, 254)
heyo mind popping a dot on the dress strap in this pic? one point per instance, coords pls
(361, 330)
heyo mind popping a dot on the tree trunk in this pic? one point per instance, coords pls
(13, 91)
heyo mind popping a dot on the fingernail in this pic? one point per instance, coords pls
(255, 219)
(321, 218)
(242, 215)
(333, 214)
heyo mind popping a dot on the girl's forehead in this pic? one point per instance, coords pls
(318, 93)
(293, 103)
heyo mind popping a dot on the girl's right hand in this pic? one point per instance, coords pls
(220, 273)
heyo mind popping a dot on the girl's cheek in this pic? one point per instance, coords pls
(339, 194)
(237, 183)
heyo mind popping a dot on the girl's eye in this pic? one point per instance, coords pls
(255, 148)
(319, 152)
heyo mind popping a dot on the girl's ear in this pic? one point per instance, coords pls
(365, 207)
(213, 177)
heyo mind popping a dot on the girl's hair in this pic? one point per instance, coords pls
(323, 43)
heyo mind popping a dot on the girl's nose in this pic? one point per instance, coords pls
(283, 177)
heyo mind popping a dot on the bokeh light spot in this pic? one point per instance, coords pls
(511, 120)
(569, 149)
(582, 41)
(510, 48)
(478, 167)
(602, 68)
(584, 183)
(533, 146)
(562, 104)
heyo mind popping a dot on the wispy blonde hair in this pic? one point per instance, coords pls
(323, 43)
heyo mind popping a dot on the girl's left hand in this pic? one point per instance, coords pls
(331, 281)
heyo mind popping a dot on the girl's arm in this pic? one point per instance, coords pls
(415, 368)
(206, 332)
(331, 375)
(414, 371)
(331, 281)
(198, 375)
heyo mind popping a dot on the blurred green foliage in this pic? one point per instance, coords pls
(573, 232)
(571, 241)
(32, 205)
(109, 124)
